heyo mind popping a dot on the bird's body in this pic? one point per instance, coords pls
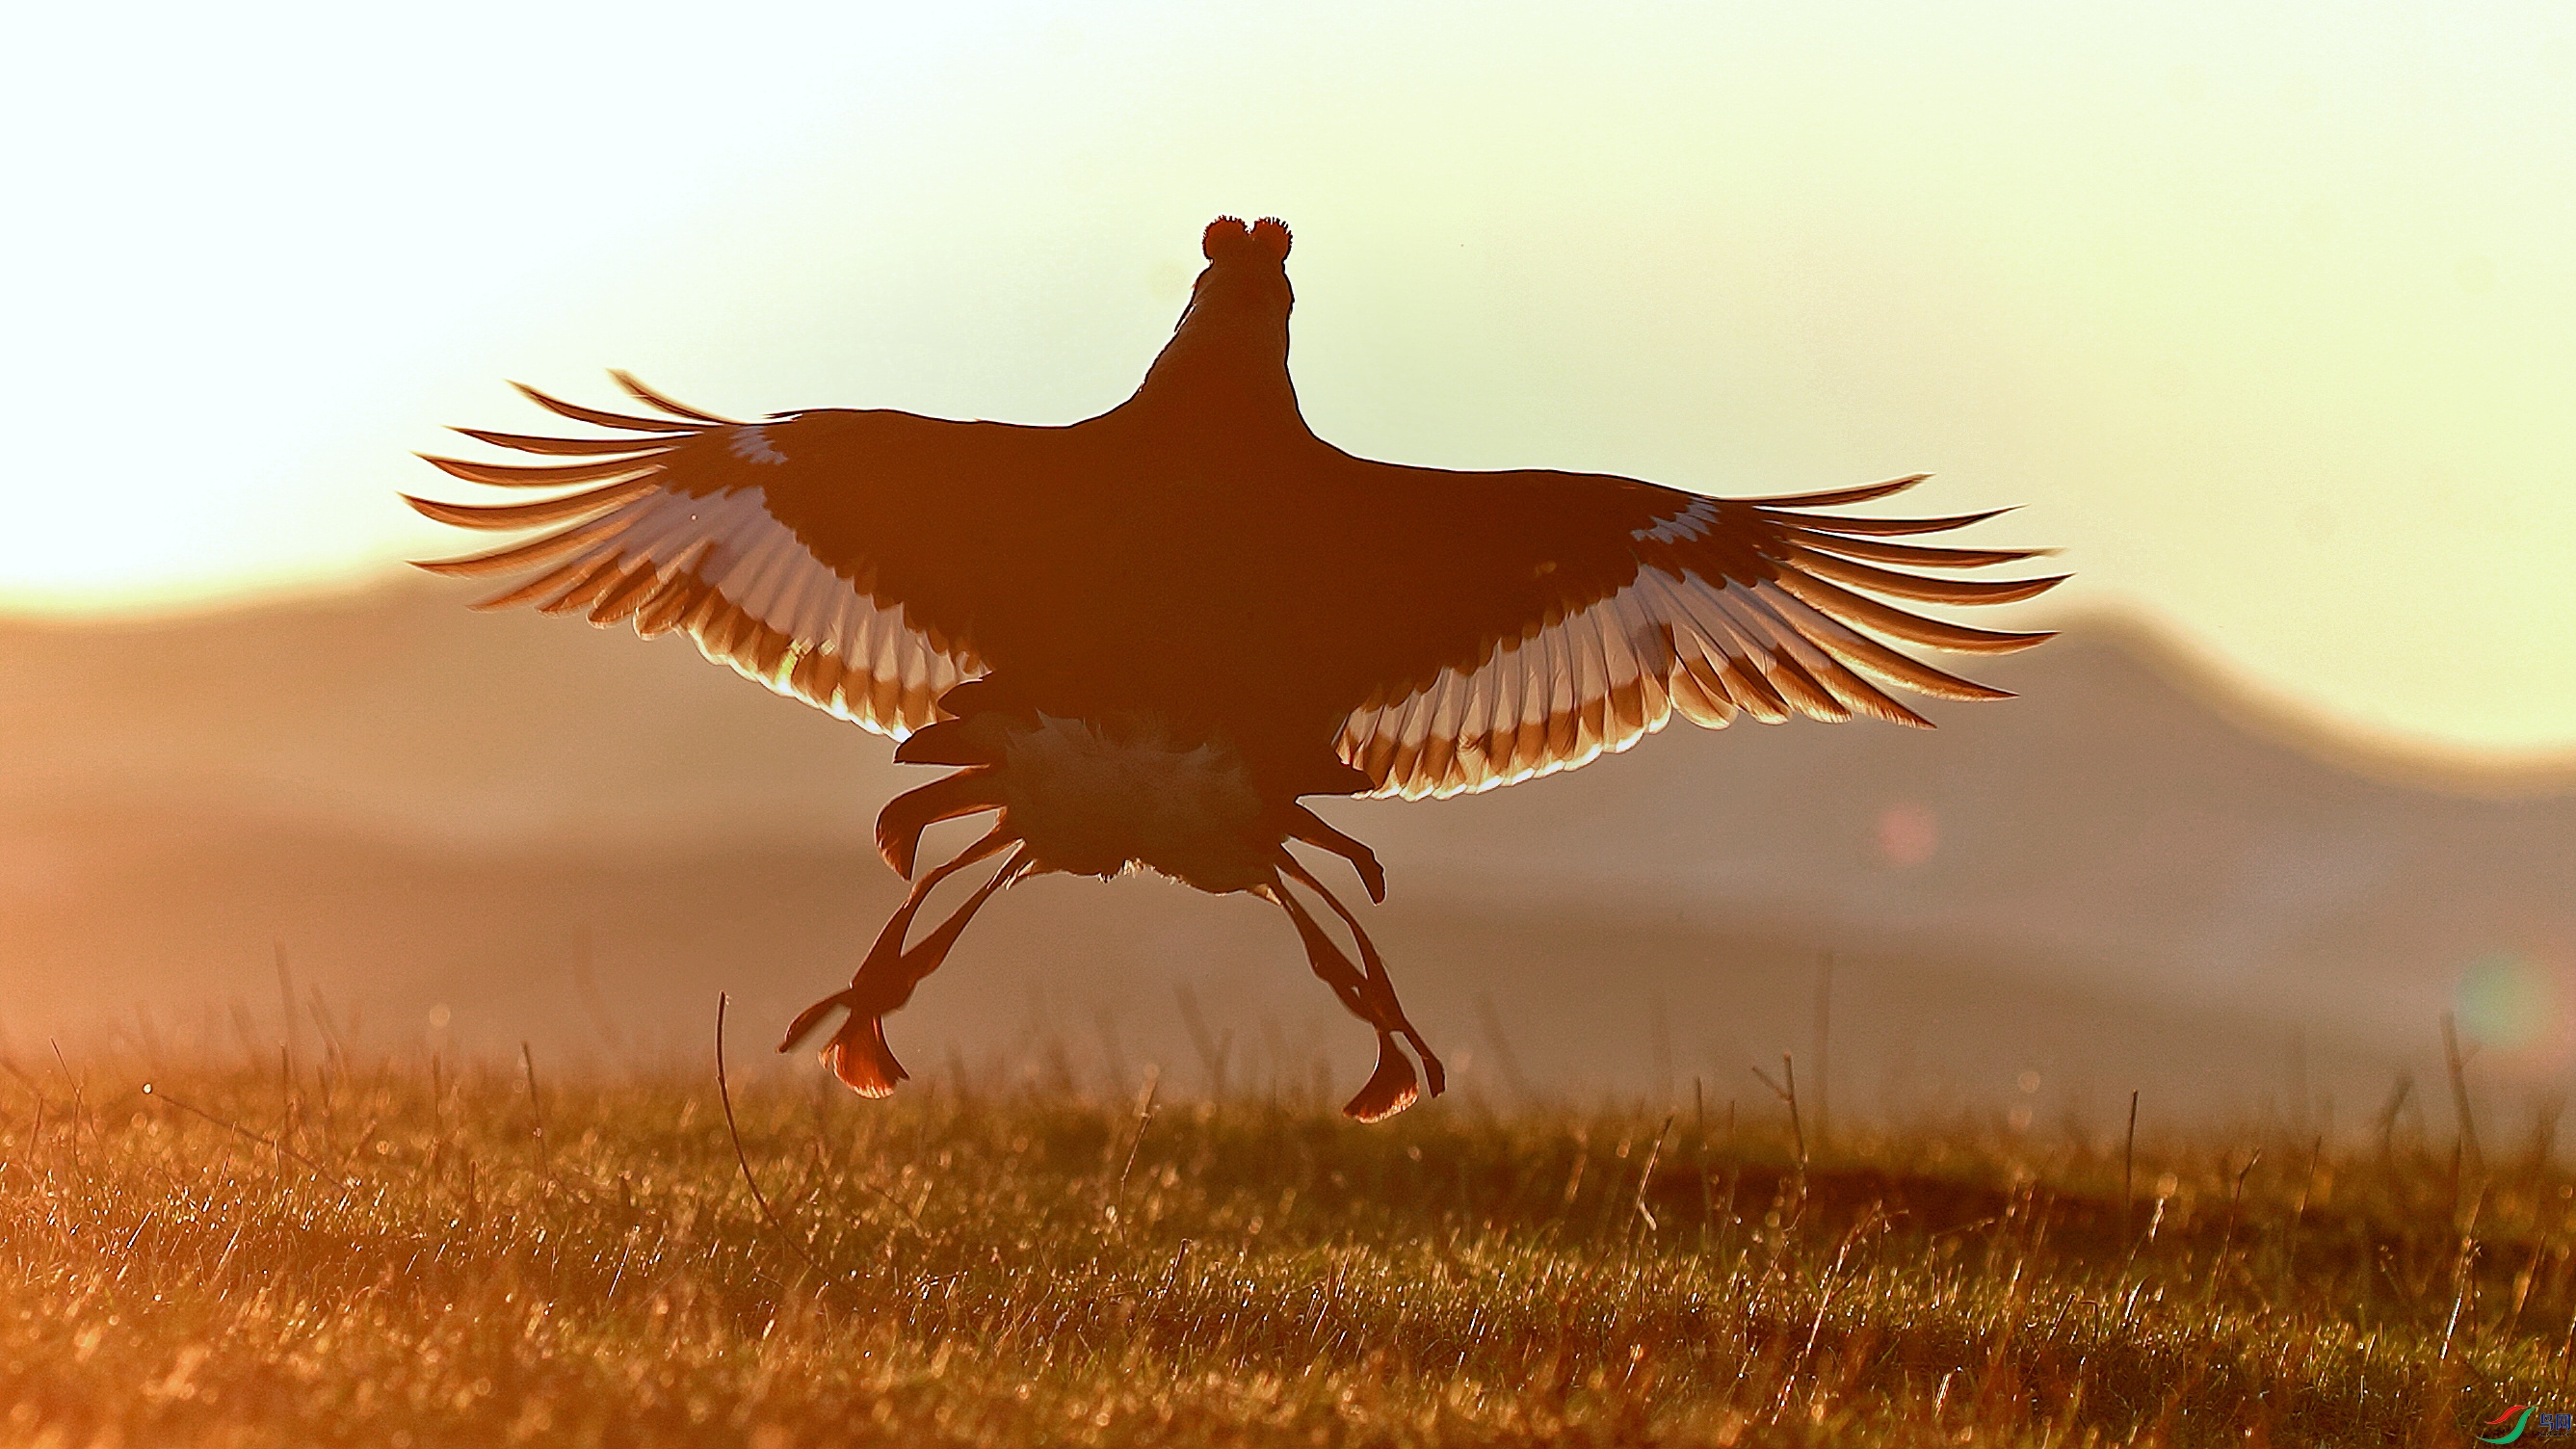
(1144, 636)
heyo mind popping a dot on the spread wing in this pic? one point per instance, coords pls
(1534, 620)
(824, 554)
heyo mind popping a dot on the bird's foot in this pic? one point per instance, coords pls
(859, 1056)
(1390, 1089)
(857, 1053)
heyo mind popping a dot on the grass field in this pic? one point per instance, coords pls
(398, 1255)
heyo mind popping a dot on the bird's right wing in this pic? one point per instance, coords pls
(1501, 626)
(845, 558)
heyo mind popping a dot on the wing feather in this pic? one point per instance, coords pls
(1777, 656)
(1917, 554)
(1872, 657)
(619, 603)
(669, 608)
(1827, 523)
(1848, 689)
(543, 475)
(1867, 492)
(532, 552)
(1888, 619)
(550, 583)
(1526, 743)
(1915, 586)
(563, 447)
(539, 514)
(593, 585)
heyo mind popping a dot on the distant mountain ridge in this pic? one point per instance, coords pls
(2252, 711)
(2127, 831)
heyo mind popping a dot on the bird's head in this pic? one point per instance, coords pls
(1246, 280)
(1230, 349)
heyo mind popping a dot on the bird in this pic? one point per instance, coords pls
(1140, 641)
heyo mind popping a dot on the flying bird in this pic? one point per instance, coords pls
(1142, 638)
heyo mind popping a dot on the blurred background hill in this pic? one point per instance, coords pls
(471, 831)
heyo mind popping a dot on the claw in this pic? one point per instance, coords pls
(1389, 1090)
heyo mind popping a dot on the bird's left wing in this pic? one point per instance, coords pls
(826, 555)
(1499, 626)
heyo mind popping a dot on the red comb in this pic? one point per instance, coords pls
(1226, 240)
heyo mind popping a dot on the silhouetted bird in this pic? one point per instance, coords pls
(1144, 636)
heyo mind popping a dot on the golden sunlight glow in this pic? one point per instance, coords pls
(2265, 315)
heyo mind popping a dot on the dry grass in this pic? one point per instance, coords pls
(419, 1268)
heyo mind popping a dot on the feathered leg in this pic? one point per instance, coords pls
(900, 824)
(1393, 1086)
(857, 1053)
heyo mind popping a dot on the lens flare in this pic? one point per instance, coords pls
(2508, 1001)
(1908, 834)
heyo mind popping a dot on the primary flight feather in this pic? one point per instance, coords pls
(1146, 635)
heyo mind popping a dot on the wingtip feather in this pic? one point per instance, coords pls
(542, 475)
(560, 447)
(650, 397)
(1865, 493)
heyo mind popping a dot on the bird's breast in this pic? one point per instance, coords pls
(1093, 798)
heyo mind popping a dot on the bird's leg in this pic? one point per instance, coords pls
(1388, 1011)
(857, 1053)
(900, 824)
(1306, 825)
(1393, 1086)
(1332, 967)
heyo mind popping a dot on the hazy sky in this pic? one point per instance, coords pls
(2265, 311)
